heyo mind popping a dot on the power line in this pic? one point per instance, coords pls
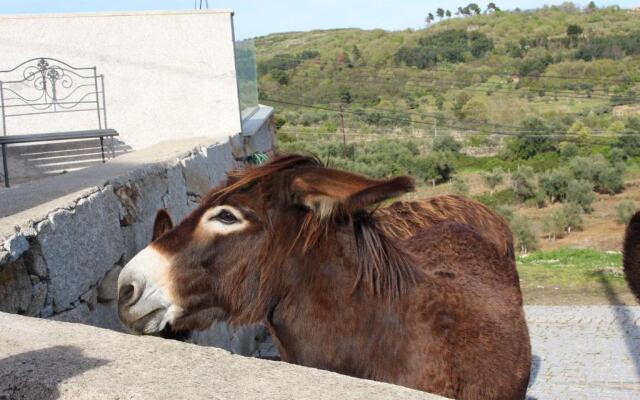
(484, 86)
(508, 74)
(502, 133)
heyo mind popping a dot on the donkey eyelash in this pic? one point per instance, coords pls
(225, 216)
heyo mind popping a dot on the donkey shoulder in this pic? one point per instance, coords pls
(457, 251)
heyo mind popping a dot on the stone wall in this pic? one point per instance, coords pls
(61, 259)
(48, 360)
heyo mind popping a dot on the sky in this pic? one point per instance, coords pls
(259, 17)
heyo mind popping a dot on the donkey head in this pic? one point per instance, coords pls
(249, 240)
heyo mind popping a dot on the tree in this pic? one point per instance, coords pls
(574, 30)
(356, 54)
(573, 33)
(554, 224)
(629, 139)
(573, 217)
(475, 110)
(491, 7)
(568, 150)
(446, 143)
(493, 178)
(473, 7)
(532, 139)
(555, 184)
(280, 76)
(580, 192)
(625, 210)
(523, 182)
(460, 185)
(525, 235)
(591, 7)
(440, 13)
(604, 177)
(458, 104)
(581, 132)
(430, 18)
(447, 13)
(436, 167)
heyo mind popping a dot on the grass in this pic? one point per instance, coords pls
(573, 276)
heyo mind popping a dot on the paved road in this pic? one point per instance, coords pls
(585, 352)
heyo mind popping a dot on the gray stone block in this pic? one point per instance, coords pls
(79, 314)
(219, 161)
(35, 262)
(108, 286)
(15, 288)
(90, 298)
(175, 199)
(37, 300)
(244, 341)
(16, 245)
(80, 246)
(196, 173)
(105, 315)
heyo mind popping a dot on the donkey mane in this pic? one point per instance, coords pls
(383, 268)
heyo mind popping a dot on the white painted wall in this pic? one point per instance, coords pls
(168, 75)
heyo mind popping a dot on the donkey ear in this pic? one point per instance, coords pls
(325, 190)
(162, 224)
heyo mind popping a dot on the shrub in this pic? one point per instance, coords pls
(625, 210)
(538, 199)
(435, 167)
(460, 185)
(524, 233)
(505, 212)
(610, 181)
(573, 217)
(446, 142)
(523, 183)
(580, 192)
(604, 177)
(554, 224)
(493, 178)
(568, 150)
(534, 139)
(555, 183)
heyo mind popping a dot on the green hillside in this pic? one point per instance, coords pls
(559, 63)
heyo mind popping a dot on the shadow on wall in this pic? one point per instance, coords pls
(536, 363)
(39, 160)
(625, 320)
(37, 374)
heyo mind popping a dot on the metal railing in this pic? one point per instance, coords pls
(50, 86)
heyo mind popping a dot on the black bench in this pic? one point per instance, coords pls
(50, 86)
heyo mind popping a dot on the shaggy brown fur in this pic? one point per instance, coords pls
(432, 306)
(631, 255)
(404, 219)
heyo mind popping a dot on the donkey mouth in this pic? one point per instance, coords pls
(150, 323)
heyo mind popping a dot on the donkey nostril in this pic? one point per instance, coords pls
(128, 295)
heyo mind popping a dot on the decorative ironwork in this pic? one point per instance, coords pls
(46, 85)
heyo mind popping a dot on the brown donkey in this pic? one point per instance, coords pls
(295, 245)
(631, 255)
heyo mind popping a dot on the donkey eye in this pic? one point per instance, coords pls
(226, 217)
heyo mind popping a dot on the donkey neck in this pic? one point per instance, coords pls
(322, 322)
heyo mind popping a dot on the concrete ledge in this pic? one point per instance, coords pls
(43, 359)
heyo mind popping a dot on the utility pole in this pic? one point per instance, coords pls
(206, 4)
(344, 136)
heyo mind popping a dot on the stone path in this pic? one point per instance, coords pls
(585, 352)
